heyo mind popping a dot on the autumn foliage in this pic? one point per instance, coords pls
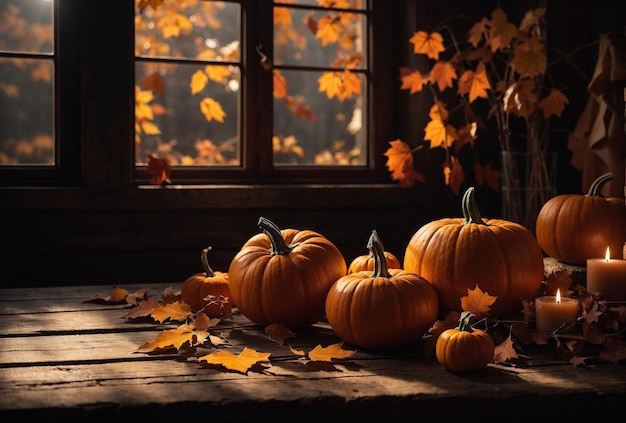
(498, 66)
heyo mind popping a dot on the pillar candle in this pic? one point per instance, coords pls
(607, 276)
(552, 311)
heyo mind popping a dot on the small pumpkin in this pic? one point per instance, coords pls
(383, 308)
(572, 227)
(196, 290)
(464, 349)
(455, 254)
(367, 262)
(283, 276)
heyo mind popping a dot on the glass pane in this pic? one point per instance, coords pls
(26, 84)
(187, 127)
(26, 26)
(312, 129)
(319, 38)
(192, 29)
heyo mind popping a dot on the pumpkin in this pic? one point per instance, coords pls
(464, 349)
(572, 227)
(383, 308)
(367, 262)
(283, 276)
(197, 289)
(455, 254)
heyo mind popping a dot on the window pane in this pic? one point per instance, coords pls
(26, 83)
(311, 129)
(187, 103)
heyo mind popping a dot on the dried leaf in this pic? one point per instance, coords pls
(212, 110)
(241, 362)
(177, 311)
(118, 296)
(160, 170)
(429, 44)
(504, 351)
(176, 338)
(477, 301)
(336, 351)
(278, 333)
(144, 309)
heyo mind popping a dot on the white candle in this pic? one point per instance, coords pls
(552, 311)
(607, 276)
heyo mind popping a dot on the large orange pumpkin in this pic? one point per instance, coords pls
(572, 227)
(455, 254)
(202, 291)
(384, 309)
(284, 276)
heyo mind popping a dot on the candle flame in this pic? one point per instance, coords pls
(608, 254)
(558, 296)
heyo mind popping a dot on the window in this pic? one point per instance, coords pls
(241, 91)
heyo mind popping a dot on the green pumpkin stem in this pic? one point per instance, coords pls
(595, 190)
(205, 262)
(470, 208)
(380, 261)
(279, 245)
(465, 323)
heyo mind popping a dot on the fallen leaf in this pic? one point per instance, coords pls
(278, 333)
(175, 311)
(504, 351)
(176, 338)
(320, 353)
(118, 296)
(241, 362)
(477, 301)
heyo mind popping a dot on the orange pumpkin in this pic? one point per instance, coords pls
(572, 228)
(367, 262)
(455, 254)
(203, 290)
(284, 276)
(384, 309)
(464, 349)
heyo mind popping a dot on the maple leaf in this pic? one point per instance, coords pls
(328, 30)
(501, 27)
(530, 58)
(154, 82)
(143, 4)
(240, 363)
(175, 311)
(455, 177)
(477, 302)
(439, 134)
(398, 155)
(350, 85)
(150, 128)
(160, 170)
(553, 104)
(477, 32)
(176, 338)
(520, 99)
(278, 333)
(442, 74)
(211, 109)
(558, 280)
(504, 351)
(334, 351)
(299, 353)
(451, 321)
(330, 82)
(142, 109)
(413, 81)
(217, 73)
(475, 84)
(172, 24)
(429, 44)
(531, 18)
(144, 309)
(198, 81)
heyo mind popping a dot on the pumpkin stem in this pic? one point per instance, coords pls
(380, 261)
(279, 245)
(595, 190)
(470, 208)
(465, 323)
(205, 262)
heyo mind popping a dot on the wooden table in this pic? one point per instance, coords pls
(66, 360)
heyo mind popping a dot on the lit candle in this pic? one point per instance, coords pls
(607, 276)
(552, 311)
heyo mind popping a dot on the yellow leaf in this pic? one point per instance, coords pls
(173, 23)
(399, 156)
(211, 109)
(241, 363)
(150, 128)
(350, 84)
(217, 73)
(413, 81)
(438, 111)
(439, 134)
(198, 81)
(174, 311)
(328, 30)
(428, 44)
(330, 82)
(176, 338)
(477, 301)
(320, 353)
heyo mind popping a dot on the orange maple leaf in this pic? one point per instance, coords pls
(477, 302)
(477, 32)
(439, 134)
(144, 309)
(280, 84)
(456, 176)
(475, 84)
(399, 156)
(330, 352)
(240, 363)
(428, 44)
(442, 74)
(211, 109)
(116, 297)
(328, 30)
(530, 58)
(553, 104)
(177, 338)
(413, 81)
(160, 170)
(330, 82)
(175, 311)
(504, 351)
